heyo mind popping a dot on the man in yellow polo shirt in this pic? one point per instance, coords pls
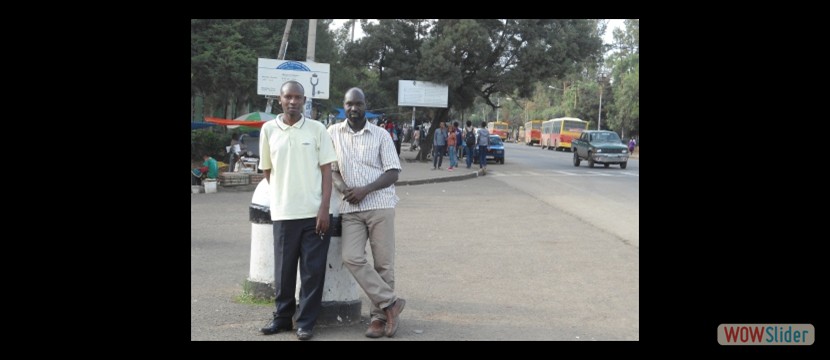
(296, 155)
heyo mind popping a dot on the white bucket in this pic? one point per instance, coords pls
(210, 186)
(195, 189)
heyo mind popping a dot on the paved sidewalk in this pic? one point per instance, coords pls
(420, 172)
(413, 173)
(457, 287)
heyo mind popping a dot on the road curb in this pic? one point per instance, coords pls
(438, 180)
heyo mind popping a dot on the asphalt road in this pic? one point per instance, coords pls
(607, 198)
(498, 257)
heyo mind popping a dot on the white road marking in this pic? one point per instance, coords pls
(558, 173)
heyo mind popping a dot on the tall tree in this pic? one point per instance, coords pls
(224, 56)
(220, 62)
(390, 51)
(625, 110)
(487, 57)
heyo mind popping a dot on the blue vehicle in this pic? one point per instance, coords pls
(496, 151)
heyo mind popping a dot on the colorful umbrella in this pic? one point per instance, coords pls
(254, 116)
(257, 116)
(254, 119)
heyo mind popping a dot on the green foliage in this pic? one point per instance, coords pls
(389, 52)
(209, 141)
(248, 297)
(487, 57)
(626, 106)
(480, 60)
(624, 110)
(223, 59)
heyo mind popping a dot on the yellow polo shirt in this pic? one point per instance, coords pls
(294, 155)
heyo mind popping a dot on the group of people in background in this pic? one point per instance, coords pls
(456, 142)
(395, 132)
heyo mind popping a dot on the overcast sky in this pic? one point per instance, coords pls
(607, 38)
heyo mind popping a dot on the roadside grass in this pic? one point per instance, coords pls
(247, 297)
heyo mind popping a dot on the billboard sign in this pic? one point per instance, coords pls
(271, 74)
(422, 93)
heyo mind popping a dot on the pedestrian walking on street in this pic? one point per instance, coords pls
(483, 146)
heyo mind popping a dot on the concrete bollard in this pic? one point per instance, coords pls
(341, 301)
(260, 282)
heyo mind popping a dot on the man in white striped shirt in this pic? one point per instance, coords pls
(365, 172)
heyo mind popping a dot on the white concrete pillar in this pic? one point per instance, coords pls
(341, 300)
(261, 276)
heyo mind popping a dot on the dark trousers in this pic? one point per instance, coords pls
(232, 159)
(482, 156)
(296, 240)
(438, 155)
(468, 152)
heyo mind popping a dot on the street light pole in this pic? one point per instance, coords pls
(498, 103)
(599, 116)
(601, 87)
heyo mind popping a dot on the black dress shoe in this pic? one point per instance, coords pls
(276, 325)
(304, 334)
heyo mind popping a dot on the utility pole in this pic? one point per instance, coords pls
(413, 118)
(280, 56)
(309, 56)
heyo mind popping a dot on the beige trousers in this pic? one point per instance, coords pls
(378, 281)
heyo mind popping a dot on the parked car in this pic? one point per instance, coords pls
(496, 151)
(600, 146)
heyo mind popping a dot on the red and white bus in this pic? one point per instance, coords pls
(557, 133)
(532, 132)
(498, 128)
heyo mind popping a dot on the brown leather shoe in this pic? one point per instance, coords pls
(376, 328)
(392, 316)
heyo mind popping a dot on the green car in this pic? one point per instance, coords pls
(600, 146)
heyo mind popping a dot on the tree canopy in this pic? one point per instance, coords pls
(546, 67)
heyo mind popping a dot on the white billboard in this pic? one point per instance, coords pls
(271, 74)
(422, 93)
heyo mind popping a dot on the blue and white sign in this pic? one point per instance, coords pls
(271, 74)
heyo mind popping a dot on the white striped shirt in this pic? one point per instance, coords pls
(362, 157)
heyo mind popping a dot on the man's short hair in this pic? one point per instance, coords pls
(292, 82)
